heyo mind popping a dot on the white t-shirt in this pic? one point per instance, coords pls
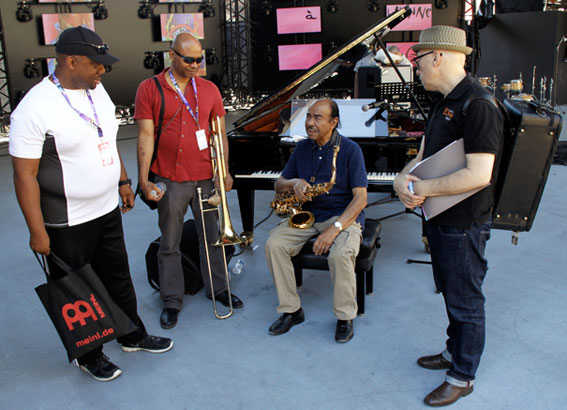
(75, 185)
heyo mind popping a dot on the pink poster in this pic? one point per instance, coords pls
(299, 56)
(58, 1)
(420, 16)
(299, 20)
(175, 23)
(180, 1)
(53, 24)
(405, 48)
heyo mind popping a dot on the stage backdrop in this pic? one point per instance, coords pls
(351, 18)
(514, 43)
(128, 36)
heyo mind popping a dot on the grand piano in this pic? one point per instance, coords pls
(258, 153)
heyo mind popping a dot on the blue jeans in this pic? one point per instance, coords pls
(459, 268)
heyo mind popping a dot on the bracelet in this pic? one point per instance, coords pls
(126, 181)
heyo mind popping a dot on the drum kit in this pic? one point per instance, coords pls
(514, 89)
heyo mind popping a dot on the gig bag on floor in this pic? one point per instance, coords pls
(82, 311)
(190, 259)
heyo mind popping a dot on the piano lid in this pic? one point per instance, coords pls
(264, 116)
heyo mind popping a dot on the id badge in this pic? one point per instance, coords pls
(105, 152)
(202, 139)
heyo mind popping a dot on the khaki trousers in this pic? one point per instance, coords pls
(285, 242)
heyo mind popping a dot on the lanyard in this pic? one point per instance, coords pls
(196, 114)
(95, 121)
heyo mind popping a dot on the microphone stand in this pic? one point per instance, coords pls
(401, 77)
(563, 40)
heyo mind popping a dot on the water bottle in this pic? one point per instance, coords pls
(238, 267)
(162, 187)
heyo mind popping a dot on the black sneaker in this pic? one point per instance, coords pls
(152, 344)
(345, 331)
(101, 369)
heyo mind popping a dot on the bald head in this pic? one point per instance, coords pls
(183, 40)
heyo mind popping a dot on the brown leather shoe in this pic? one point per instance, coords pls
(435, 362)
(447, 394)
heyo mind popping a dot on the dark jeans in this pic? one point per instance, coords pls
(459, 268)
(100, 242)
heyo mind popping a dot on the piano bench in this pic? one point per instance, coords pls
(364, 267)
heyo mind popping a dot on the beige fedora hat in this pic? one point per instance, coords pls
(443, 38)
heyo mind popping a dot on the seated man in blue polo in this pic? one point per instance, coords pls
(338, 218)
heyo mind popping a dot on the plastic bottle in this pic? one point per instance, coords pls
(162, 188)
(238, 267)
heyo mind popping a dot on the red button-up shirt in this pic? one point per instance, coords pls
(179, 158)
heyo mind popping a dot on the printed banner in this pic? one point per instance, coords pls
(175, 23)
(299, 20)
(53, 24)
(299, 56)
(420, 16)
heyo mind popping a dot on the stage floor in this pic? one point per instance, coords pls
(236, 364)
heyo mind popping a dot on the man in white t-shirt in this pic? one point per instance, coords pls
(68, 175)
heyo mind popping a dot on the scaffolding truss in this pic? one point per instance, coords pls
(5, 102)
(236, 48)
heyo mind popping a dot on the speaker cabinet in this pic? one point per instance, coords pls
(526, 160)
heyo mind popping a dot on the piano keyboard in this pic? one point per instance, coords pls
(372, 176)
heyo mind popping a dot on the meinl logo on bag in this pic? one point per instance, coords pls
(80, 311)
(95, 337)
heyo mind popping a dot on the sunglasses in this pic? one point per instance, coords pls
(188, 60)
(414, 60)
(101, 49)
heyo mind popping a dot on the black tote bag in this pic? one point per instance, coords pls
(82, 311)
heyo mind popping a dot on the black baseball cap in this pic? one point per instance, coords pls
(81, 41)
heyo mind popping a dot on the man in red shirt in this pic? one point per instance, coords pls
(183, 163)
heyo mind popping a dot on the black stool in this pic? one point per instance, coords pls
(364, 267)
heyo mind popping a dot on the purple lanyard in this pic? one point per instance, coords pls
(195, 117)
(96, 121)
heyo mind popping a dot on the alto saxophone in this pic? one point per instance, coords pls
(284, 202)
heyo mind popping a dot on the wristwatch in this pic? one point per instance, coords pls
(126, 181)
(339, 225)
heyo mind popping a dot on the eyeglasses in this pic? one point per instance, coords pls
(188, 60)
(414, 60)
(101, 49)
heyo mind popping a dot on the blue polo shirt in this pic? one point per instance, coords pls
(310, 160)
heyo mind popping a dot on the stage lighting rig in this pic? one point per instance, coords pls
(31, 68)
(441, 4)
(24, 12)
(207, 9)
(269, 54)
(151, 61)
(266, 8)
(146, 10)
(332, 6)
(211, 56)
(373, 5)
(100, 11)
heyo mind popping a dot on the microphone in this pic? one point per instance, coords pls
(375, 104)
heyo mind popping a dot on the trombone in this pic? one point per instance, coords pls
(227, 236)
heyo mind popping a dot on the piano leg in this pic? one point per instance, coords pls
(246, 203)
